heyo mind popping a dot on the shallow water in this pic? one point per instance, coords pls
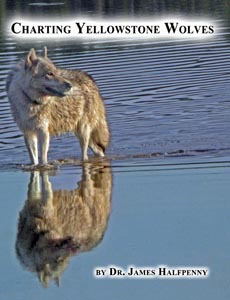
(168, 109)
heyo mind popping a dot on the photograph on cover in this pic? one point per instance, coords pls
(115, 149)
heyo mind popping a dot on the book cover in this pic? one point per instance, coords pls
(114, 149)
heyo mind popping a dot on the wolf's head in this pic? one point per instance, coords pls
(43, 78)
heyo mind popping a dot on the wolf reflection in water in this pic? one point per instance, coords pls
(54, 225)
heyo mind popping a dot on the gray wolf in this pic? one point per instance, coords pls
(54, 225)
(48, 101)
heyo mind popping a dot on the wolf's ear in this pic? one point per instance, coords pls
(31, 58)
(44, 52)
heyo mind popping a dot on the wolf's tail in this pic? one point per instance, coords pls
(100, 135)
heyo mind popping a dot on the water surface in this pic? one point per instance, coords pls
(174, 216)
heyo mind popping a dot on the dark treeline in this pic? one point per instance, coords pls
(114, 7)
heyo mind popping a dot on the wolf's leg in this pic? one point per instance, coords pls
(84, 136)
(31, 141)
(47, 191)
(44, 142)
(96, 150)
(34, 189)
(87, 186)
